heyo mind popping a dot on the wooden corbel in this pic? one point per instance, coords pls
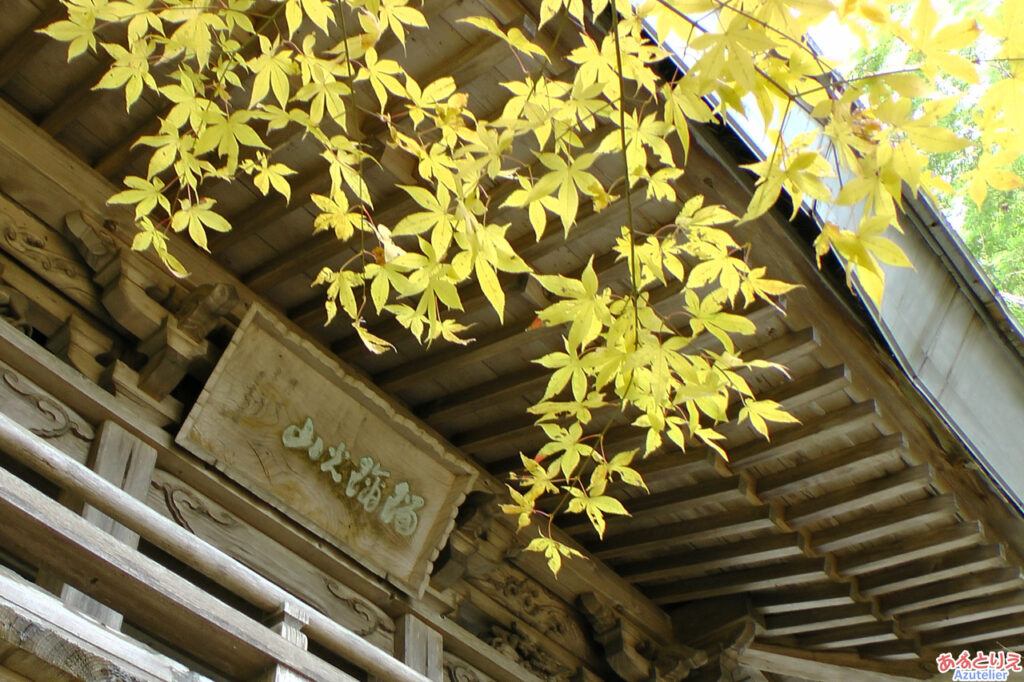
(79, 344)
(15, 306)
(122, 283)
(722, 628)
(631, 655)
(468, 552)
(180, 341)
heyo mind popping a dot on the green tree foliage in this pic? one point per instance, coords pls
(234, 72)
(985, 204)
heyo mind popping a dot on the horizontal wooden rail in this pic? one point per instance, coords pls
(40, 456)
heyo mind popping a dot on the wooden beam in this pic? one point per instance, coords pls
(513, 334)
(75, 99)
(265, 210)
(924, 571)
(127, 462)
(702, 561)
(716, 526)
(814, 433)
(818, 470)
(990, 630)
(850, 636)
(42, 626)
(797, 572)
(845, 500)
(509, 430)
(671, 501)
(981, 584)
(934, 542)
(901, 521)
(151, 596)
(811, 597)
(815, 665)
(28, 42)
(897, 650)
(811, 620)
(667, 459)
(958, 613)
(320, 248)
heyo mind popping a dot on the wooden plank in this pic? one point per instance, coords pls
(148, 594)
(935, 542)
(863, 495)
(40, 624)
(797, 572)
(924, 571)
(736, 522)
(985, 583)
(813, 433)
(895, 522)
(813, 665)
(818, 470)
(701, 561)
(811, 620)
(329, 450)
(322, 247)
(849, 636)
(966, 611)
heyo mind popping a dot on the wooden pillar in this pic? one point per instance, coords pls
(127, 462)
(288, 622)
(419, 646)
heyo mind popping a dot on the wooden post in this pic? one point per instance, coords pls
(419, 646)
(288, 622)
(127, 462)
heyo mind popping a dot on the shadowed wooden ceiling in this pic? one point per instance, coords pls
(852, 531)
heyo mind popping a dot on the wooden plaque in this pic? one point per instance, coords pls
(287, 421)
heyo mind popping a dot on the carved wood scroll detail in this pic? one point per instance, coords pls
(375, 620)
(457, 670)
(528, 653)
(61, 421)
(177, 498)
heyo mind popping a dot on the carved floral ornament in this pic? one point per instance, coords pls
(366, 480)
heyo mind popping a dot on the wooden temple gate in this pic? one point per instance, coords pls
(219, 486)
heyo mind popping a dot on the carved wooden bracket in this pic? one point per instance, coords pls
(173, 343)
(468, 553)
(721, 628)
(14, 306)
(78, 344)
(630, 654)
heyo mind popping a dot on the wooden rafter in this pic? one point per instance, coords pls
(983, 584)
(699, 562)
(924, 571)
(825, 467)
(902, 521)
(803, 571)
